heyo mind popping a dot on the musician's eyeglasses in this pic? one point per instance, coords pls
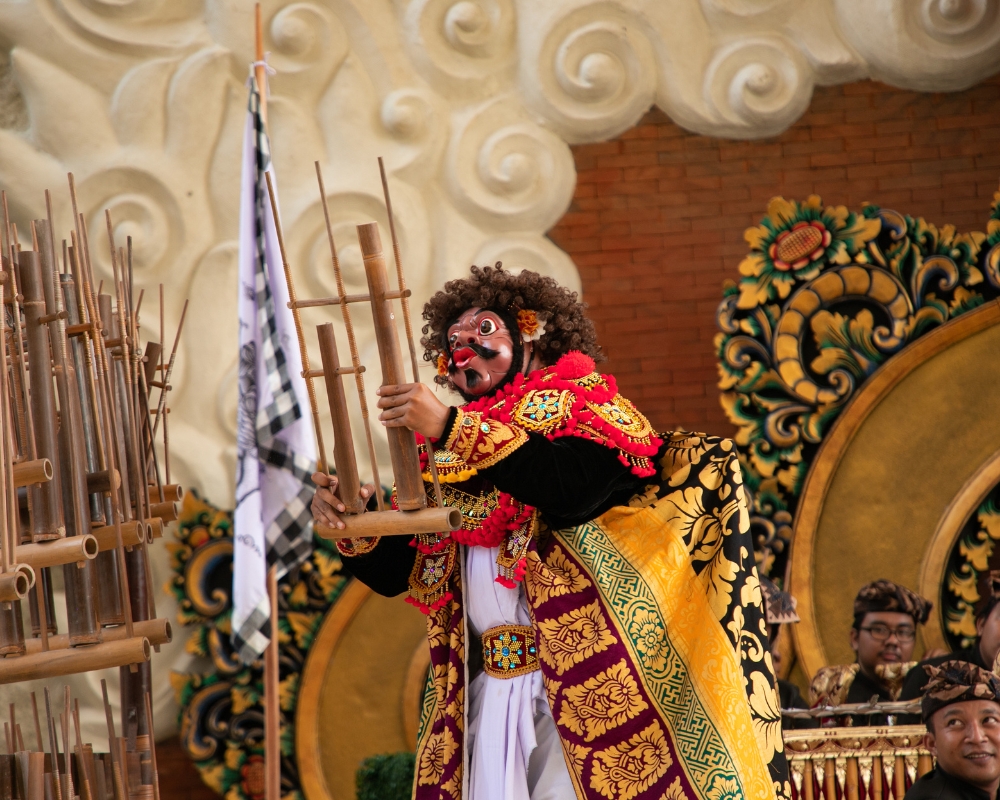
(881, 633)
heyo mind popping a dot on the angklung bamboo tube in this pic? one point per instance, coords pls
(110, 610)
(172, 493)
(46, 518)
(349, 485)
(29, 472)
(11, 630)
(54, 663)
(410, 494)
(13, 586)
(71, 550)
(101, 481)
(43, 589)
(165, 511)
(133, 533)
(157, 631)
(391, 523)
(155, 526)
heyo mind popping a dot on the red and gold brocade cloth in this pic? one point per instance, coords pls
(650, 630)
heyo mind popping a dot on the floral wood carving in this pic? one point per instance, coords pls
(826, 295)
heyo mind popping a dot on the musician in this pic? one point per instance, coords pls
(982, 652)
(961, 708)
(779, 610)
(886, 616)
(596, 626)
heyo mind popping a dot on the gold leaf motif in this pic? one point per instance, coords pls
(602, 703)
(627, 769)
(435, 756)
(647, 635)
(578, 755)
(675, 791)
(725, 789)
(555, 577)
(766, 716)
(573, 637)
(456, 708)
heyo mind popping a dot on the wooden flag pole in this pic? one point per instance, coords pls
(272, 726)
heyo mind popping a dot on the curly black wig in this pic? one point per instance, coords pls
(566, 327)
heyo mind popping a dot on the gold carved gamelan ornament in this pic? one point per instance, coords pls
(857, 356)
(81, 490)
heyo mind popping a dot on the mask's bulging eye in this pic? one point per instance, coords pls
(453, 339)
(487, 327)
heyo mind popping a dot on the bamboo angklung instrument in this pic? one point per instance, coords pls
(413, 515)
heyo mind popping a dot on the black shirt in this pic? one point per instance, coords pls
(862, 690)
(790, 697)
(939, 785)
(569, 480)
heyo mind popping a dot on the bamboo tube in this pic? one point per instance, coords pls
(38, 727)
(55, 663)
(155, 526)
(42, 608)
(11, 631)
(852, 778)
(71, 550)
(102, 481)
(878, 778)
(133, 533)
(404, 303)
(272, 722)
(157, 631)
(13, 586)
(924, 764)
(152, 750)
(165, 511)
(410, 494)
(36, 776)
(898, 778)
(392, 523)
(260, 70)
(47, 520)
(172, 493)
(29, 472)
(357, 369)
(110, 610)
(52, 740)
(83, 768)
(349, 484)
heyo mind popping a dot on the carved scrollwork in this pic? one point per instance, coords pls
(593, 73)
(759, 84)
(507, 172)
(826, 296)
(528, 252)
(916, 45)
(461, 42)
(306, 38)
(133, 26)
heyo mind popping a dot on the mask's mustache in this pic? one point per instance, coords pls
(483, 352)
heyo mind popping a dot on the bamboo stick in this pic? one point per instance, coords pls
(152, 748)
(303, 351)
(116, 765)
(81, 755)
(272, 725)
(260, 69)
(351, 342)
(134, 533)
(162, 400)
(34, 713)
(52, 739)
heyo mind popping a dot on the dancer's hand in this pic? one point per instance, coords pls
(326, 504)
(413, 406)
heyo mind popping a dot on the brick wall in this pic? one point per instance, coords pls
(657, 220)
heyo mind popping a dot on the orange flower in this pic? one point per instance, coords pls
(527, 323)
(442, 364)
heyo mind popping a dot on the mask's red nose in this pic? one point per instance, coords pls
(462, 356)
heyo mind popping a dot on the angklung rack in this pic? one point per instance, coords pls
(413, 516)
(80, 480)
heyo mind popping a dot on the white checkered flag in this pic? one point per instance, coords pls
(276, 451)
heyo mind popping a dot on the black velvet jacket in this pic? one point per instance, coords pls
(939, 785)
(569, 480)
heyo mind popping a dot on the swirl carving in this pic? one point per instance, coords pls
(460, 43)
(508, 172)
(759, 84)
(407, 114)
(532, 253)
(133, 26)
(142, 207)
(928, 45)
(594, 73)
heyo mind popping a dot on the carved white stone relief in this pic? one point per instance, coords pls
(472, 103)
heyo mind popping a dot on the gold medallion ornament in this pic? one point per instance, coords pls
(509, 651)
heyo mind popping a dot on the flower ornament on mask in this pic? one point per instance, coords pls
(531, 324)
(442, 364)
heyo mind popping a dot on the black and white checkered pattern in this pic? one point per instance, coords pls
(289, 536)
